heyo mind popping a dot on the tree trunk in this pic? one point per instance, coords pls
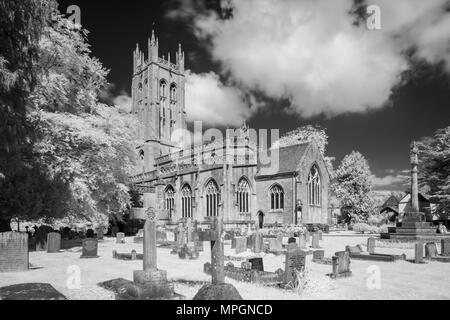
(5, 225)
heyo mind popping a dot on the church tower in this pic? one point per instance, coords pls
(159, 101)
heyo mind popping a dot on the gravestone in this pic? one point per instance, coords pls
(302, 241)
(445, 247)
(53, 242)
(292, 240)
(418, 252)
(318, 255)
(320, 234)
(218, 289)
(149, 283)
(13, 252)
(41, 237)
(246, 265)
(241, 244)
(285, 241)
(430, 250)
(100, 234)
(275, 245)
(90, 248)
(258, 242)
(307, 236)
(170, 236)
(120, 237)
(354, 249)
(371, 245)
(315, 241)
(257, 264)
(294, 263)
(133, 254)
(341, 265)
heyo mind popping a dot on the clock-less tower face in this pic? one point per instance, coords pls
(158, 94)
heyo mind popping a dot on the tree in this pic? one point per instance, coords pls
(352, 185)
(434, 173)
(23, 187)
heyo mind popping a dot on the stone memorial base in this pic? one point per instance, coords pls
(220, 292)
(413, 228)
(148, 285)
(441, 259)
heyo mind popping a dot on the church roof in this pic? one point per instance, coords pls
(287, 161)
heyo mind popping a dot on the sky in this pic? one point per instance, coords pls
(283, 64)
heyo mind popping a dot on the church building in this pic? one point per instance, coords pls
(222, 177)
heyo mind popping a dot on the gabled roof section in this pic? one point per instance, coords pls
(287, 161)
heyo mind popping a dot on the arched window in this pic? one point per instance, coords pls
(212, 199)
(276, 195)
(243, 195)
(162, 90)
(186, 202)
(314, 192)
(169, 200)
(173, 92)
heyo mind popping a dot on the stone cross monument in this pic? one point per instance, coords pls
(414, 183)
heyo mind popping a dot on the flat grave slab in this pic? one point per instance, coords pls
(31, 291)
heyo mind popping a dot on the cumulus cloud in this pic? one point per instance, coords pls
(389, 180)
(124, 102)
(313, 54)
(214, 103)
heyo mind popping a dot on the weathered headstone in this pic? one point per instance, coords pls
(292, 240)
(170, 236)
(341, 265)
(445, 247)
(257, 264)
(371, 245)
(13, 252)
(318, 255)
(133, 255)
(241, 244)
(294, 263)
(430, 250)
(53, 242)
(275, 245)
(320, 234)
(302, 241)
(315, 241)
(307, 236)
(100, 233)
(120, 237)
(246, 265)
(218, 289)
(149, 283)
(90, 248)
(258, 242)
(418, 252)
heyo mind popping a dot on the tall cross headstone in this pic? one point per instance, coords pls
(150, 241)
(217, 254)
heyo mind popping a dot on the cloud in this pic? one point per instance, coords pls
(313, 54)
(209, 100)
(389, 180)
(124, 102)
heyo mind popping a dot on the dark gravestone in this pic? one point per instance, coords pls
(90, 248)
(371, 245)
(41, 237)
(53, 242)
(120, 237)
(318, 255)
(445, 247)
(292, 240)
(257, 264)
(430, 250)
(13, 252)
(294, 263)
(90, 233)
(241, 244)
(418, 252)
